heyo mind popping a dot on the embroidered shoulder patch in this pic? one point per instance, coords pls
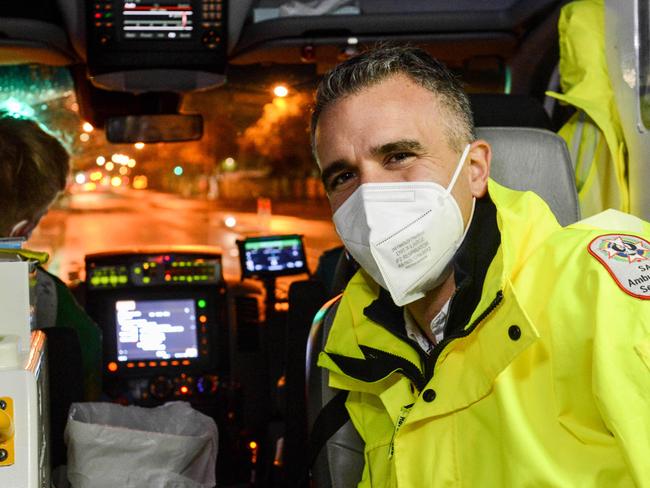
(627, 258)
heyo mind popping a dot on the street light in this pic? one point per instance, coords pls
(280, 91)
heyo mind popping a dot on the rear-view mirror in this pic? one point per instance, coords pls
(154, 128)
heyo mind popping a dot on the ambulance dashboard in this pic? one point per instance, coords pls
(174, 329)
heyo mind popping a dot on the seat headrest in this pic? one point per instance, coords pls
(536, 160)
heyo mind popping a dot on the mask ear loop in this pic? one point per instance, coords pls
(459, 166)
(453, 182)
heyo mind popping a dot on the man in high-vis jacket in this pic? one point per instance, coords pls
(480, 344)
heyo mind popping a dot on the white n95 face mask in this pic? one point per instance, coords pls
(403, 234)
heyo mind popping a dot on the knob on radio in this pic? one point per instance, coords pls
(160, 387)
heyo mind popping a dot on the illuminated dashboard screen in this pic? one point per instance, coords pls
(273, 255)
(155, 329)
(157, 20)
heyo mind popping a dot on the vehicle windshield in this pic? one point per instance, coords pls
(250, 174)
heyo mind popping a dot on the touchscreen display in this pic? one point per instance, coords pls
(157, 20)
(155, 329)
(274, 255)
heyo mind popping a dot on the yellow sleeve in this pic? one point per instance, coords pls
(621, 380)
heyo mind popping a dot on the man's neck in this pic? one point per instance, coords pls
(426, 308)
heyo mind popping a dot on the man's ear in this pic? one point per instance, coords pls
(22, 229)
(480, 155)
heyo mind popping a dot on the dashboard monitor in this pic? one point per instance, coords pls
(157, 20)
(139, 35)
(156, 330)
(272, 256)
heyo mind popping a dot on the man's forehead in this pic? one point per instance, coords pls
(377, 116)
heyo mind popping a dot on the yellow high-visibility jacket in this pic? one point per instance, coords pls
(549, 386)
(594, 134)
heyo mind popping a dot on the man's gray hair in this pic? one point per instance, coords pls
(373, 66)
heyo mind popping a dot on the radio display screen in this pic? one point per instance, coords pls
(156, 329)
(157, 20)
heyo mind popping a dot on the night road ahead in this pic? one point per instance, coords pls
(92, 222)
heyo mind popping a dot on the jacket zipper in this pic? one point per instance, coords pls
(420, 380)
(400, 421)
(430, 362)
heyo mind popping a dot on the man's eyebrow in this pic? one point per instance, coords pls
(403, 145)
(332, 169)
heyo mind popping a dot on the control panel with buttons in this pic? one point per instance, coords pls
(141, 34)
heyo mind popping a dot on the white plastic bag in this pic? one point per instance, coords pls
(109, 445)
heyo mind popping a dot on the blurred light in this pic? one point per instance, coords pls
(201, 303)
(90, 186)
(16, 108)
(230, 221)
(74, 106)
(87, 127)
(138, 145)
(84, 137)
(280, 91)
(252, 445)
(96, 175)
(80, 178)
(112, 367)
(140, 182)
(131, 163)
(229, 164)
(109, 166)
(178, 170)
(120, 158)
(184, 390)
(124, 170)
(116, 181)
(353, 41)
(100, 160)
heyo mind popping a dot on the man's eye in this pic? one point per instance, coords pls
(399, 157)
(340, 180)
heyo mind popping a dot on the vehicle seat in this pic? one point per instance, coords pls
(522, 159)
